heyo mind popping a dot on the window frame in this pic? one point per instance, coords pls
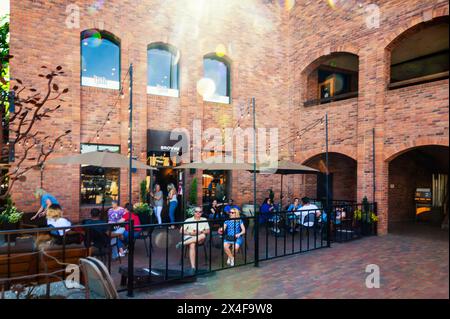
(154, 90)
(219, 98)
(113, 39)
(84, 205)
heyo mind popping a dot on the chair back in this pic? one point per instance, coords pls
(109, 282)
(95, 282)
(309, 220)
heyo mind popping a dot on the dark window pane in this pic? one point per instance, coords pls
(100, 61)
(218, 72)
(422, 66)
(162, 68)
(99, 182)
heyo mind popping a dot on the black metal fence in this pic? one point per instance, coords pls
(179, 251)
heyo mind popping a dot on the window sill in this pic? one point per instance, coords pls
(419, 80)
(335, 98)
(217, 99)
(154, 90)
(93, 82)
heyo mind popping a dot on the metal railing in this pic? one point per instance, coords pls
(160, 253)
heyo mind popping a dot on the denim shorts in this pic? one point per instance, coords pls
(239, 241)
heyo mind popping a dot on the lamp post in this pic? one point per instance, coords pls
(130, 135)
(327, 185)
(254, 187)
(130, 222)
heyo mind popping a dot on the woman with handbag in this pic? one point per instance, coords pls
(233, 230)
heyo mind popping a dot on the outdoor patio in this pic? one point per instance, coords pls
(413, 264)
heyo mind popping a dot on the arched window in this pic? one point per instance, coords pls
(163, 69)
(333, 77)
(100, 59)
(420, 54)
(217, 69)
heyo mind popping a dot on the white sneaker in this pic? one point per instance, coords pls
(232, 262)
(228, 261)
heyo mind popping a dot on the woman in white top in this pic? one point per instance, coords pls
(173, 202)
(55, 219)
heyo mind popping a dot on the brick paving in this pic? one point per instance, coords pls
(413, 261)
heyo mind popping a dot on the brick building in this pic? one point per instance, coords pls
(380, 72)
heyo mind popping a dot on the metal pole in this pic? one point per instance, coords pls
(131, 235)
(327, 209)
(281, 194)
(130, 135)
(254, 187)
(373, 164)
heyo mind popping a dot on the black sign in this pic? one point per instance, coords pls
(159, 141)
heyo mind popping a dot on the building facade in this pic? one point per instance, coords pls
(378, 71)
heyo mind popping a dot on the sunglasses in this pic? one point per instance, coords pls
(198, 211)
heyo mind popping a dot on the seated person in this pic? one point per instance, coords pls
(214, 210)
(115, 214)
(193, 234)
(294, 210)
(96, 219)
(55, 219)
(229, 206)
(129, 214)
(306, 209)
(266, 210)
(336, 217)
(98, 235)
(233, 230)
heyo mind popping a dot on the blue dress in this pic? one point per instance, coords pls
(233, 228)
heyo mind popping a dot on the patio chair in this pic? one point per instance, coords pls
(203, 244)
(108, 279)
(97, 282)
(144, 235)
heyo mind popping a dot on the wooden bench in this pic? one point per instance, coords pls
(53, 259)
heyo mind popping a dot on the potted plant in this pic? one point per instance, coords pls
(193, 192)
(10, 218)
(190, 211)
(143, 192)
(144, 211)
(365, 219)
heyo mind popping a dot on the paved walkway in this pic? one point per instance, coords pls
(413, 261)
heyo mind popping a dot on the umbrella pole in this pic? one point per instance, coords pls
(281, 194)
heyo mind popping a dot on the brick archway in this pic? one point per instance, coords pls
(343, 174)
(419, 165)
(340, 149)
(391, 38)
(405, 147)
(316, 58)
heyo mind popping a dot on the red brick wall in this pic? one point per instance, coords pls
(272, 53)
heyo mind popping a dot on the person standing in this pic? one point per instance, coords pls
(173, 202)
(46, 201)
(158, 202)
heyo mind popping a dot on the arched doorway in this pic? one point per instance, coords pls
(418, 169)
(342, 176)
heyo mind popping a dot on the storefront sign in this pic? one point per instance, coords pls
(159, 141)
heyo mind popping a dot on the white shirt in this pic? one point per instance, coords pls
(188, 228)
(308, 209)
(60, 222)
